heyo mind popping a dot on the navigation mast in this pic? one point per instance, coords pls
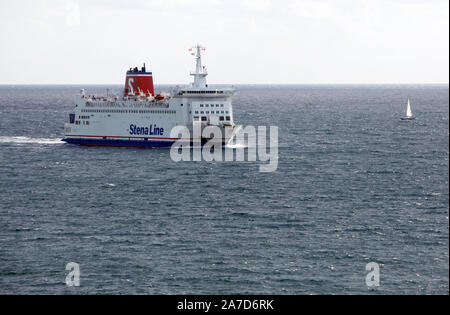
(200, 71)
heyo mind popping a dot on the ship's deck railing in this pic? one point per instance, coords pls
(128, 104)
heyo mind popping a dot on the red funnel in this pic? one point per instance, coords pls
(138, 82)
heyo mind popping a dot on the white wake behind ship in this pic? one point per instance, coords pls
(142, 119)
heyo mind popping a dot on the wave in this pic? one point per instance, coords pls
(30, 140)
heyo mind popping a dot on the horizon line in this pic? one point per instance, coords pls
(214, 84)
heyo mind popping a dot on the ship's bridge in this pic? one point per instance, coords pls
(203, 92)
(199, 88)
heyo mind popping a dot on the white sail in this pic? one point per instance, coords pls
(408, 110)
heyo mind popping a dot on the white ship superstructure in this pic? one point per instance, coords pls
(141, 118)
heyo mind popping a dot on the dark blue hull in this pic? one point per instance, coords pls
(125, 143)
(119, 143)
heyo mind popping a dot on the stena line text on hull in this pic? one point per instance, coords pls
(148, 131)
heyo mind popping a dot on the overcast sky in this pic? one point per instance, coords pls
(248, 41)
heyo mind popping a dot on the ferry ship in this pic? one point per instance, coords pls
(140, 118)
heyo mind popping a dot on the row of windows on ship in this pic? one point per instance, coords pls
(204, 118)
(196, 118)
(204, 92)
(78, 122)
(212, 112)
(212, 105)
(131, 111)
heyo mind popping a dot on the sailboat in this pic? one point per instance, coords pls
(409, 114)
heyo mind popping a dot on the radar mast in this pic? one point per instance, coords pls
(200, 71)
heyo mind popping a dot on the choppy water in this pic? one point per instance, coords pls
(354, 185)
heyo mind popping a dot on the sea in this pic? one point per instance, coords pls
(355, 187)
